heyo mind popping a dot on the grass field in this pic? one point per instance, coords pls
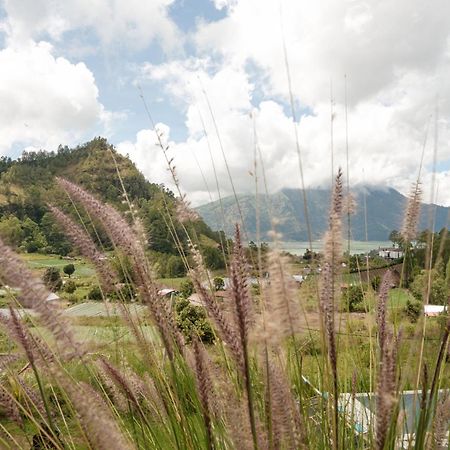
(41, 262)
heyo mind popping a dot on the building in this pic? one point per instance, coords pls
(390, 253)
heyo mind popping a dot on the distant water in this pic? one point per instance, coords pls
(356, 247)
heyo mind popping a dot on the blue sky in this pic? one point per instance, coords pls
(71, 70)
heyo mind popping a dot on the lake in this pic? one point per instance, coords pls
(356, 247)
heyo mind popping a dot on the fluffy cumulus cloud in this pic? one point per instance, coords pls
(45, 100)
(132, 23)
(234, 92)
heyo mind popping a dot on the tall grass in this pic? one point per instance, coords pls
(271, 380)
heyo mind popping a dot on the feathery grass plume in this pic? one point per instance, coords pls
(412, 213)
(184, 212)
(125, 382)
(204, 386)
(281, 303)
(9, 406)
(32, 397)
(123, 236)
(381, 308)
(332, 254)
(101, 429)
(226, 330)
(87, 247)
(239, 287)
(20, 333)
(34, 294)
(287, 427)
(438, 438)
(386, 390)
(242, 301)
(115, 395)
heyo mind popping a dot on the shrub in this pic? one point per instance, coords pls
(95, 293)
(70, 287)
(175, 267)
(376, 281)
(219, 284)
(413, 309)
(352, 297)
(52, 279)
(186, 288)
(191, 320)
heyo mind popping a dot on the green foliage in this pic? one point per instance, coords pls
(69, 269)
(213, 258)
(70, 287)
(375, 282)
(438, 292)
(186, 288)
(175, 267)
(413, 310)
(11, 230)
(95, 293)
(192, 321)
(52, 279)
(26, 185)
(352, 297)
(219, 284)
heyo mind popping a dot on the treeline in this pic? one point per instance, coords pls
(27, 186)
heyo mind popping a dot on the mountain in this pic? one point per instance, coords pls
(384, 209)
(28, 184)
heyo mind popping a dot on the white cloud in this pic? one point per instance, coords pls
(396, 56)
(45, 101)
(132, 23)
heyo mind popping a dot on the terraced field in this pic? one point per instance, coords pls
(96, 309)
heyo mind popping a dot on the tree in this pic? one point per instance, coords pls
(11, 230)
(438, 292)
(396, 238)
(52, 279)
(175, 267)
(69, 269)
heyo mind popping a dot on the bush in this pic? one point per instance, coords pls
(219, 284)
(95, 293)
(175, 267)
(376, 281)
(438, 292)
(126, 292)
(413, 309)
(186, 288)
(70, 287)
(352, 297)
(192, 321)
(52, 279)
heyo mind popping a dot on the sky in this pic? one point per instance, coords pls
(370, 79)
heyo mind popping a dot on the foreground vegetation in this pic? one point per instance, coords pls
(268, 367)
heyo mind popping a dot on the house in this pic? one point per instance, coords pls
(167, 292)
(390, 252)
(52, 297)
(433, 310)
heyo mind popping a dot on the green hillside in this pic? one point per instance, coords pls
(383, 212)
(28, 184)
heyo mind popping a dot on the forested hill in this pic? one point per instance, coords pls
(380, 208)
(28, 184)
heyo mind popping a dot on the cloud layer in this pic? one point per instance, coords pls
(227, 83)
(393, 55)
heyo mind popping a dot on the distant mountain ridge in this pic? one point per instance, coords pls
(384, 211)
